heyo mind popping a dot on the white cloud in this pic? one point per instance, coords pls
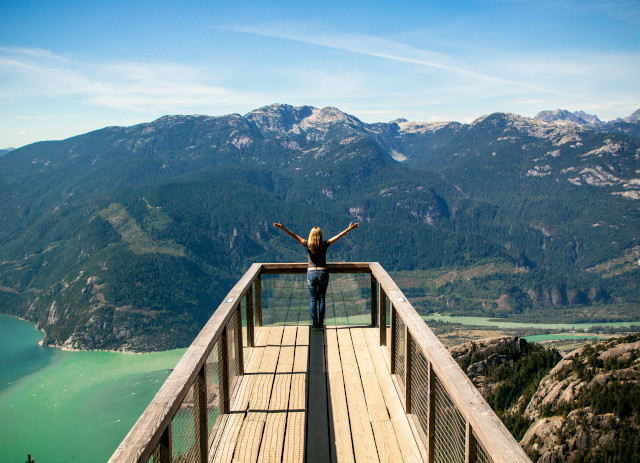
(130, 86)
(382, 48)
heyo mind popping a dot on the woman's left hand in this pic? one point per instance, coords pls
(353, 225)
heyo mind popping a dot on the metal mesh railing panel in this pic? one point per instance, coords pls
(160, 454)
(481, 455)
(419, 386)
(285, 299)
(185, 429)
(232, 350)
(214, 391)
(449, 428)
(388, 330)
(399, 346)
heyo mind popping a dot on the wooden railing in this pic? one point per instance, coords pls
(448, 415)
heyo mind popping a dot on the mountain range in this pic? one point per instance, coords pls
(128, 237)
(629, 125)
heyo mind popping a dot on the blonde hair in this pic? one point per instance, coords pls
(315, 238)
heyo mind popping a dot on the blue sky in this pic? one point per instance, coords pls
(68, 67)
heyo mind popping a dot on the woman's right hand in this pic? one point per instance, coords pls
(353, 225)
(278, 225)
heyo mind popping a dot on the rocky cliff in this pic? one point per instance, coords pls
(585, 408)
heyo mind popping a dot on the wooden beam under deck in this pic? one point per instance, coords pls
(315, 396)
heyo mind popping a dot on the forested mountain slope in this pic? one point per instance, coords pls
(130, 236)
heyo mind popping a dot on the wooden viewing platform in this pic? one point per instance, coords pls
(258, 385)
(326, 392)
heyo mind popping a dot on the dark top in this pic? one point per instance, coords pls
(319, 259)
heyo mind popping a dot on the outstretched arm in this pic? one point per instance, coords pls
(290, 233)
(351, 226)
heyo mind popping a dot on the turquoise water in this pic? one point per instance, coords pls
(70, 406)
(560, 337)
(20, 353)
(498, 323)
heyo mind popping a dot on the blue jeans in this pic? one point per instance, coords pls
(317, 282)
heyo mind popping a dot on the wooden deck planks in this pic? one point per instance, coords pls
(273, 438)
(406, 441)
(340, 429)
(386, 442)
(250, 438)
(328, 393)
(364, 446)
(376, 405)
(293, 451)
(224, 445)
(275, 427)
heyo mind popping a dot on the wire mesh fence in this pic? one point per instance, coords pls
(388, 324)
(185, 429)
(481, 455)
(450, 427)
(419, 386)
(285, 299)
(399, 347)
(213, 371)
(160, 453)
(233, 351)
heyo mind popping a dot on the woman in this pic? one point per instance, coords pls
(317, 273)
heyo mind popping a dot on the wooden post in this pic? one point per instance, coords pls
(431, 418)
(382, 313)
(223, 373)
(392, 342)
(240, 348)
(407, 370)
(165, 447)
(259, 301)
(374, 300)
(201, 413)
(249, 304)
(470, 445)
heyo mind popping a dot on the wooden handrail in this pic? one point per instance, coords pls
(139, 443)
(301, 267)
(489, 431)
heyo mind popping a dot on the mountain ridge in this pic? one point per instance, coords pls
(628, 125)
(91, 237)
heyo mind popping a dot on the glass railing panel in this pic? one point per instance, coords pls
(285, 299)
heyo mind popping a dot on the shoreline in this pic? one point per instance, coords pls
(73, 349)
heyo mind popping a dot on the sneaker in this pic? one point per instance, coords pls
(316, 328)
